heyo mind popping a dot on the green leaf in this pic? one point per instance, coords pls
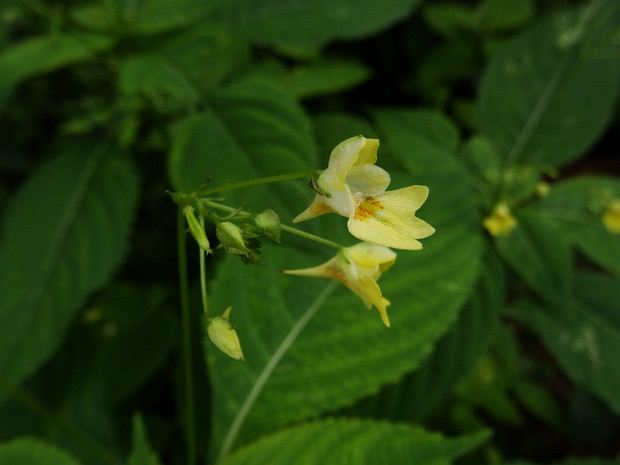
(334, 441)
(312, 23)
(324, 78)
(450, 20)
(252, 128)
(65, 233)
(344, 353)
(43, 54)
(484, 164)
(30, 451)
(578, 205)
(537, 251)
(584, 336)
(141, 451)
(542, 403)
(455, 355)
(497, 15)
(153, 16)
(550, 92)
(175, 66)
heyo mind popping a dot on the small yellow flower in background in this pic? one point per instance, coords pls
(358, 267)
(222, 333)
(354, 187)
(543, 189)
(611, 217)
(501, 220)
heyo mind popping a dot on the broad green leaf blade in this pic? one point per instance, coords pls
(484, 164)
(497, 15)
(175, 67)
(324, 78)
(141, 452)
(43, 54)
(550, 92)
(336, 442)
(65, 232)
(251, 129)
(578, 206)
(537, 251)
(153, 16)
(30, 451)
(344, 353)
(585, 336)
(312, 23)
(455, 355)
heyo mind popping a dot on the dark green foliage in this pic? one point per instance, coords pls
(505, 328)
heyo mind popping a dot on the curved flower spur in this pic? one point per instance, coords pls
(354, 187)
(358, 267)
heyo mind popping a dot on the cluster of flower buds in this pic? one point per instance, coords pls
(351, 186)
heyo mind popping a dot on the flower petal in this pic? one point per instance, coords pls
(341, 160)
(368, 179)
(370, 255)
(367, 154)
(372, 292)
(318, 207)
(389, 219)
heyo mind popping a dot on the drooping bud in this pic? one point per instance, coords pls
(269, 223)
(222, 333)
(231, 238)
(196, 229)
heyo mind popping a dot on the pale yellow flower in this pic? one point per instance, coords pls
(500, 221)
(611, 217)
(354, 187)
(358, 267)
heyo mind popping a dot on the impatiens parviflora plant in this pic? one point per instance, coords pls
(351, 186)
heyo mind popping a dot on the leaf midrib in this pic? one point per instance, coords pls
(45, 272)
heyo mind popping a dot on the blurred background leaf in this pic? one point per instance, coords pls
(292, 25)
(584, 336)
(33, 452)
(532, 102)
(65, 233)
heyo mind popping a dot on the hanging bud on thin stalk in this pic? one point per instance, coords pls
(222, 333)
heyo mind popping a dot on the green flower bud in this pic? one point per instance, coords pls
(231, 238)
(197, 230)
(222, 333)
(269, 223)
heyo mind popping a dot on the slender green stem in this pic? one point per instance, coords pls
(257, 181)
(289, 229)
(312, 237)
(271, 365)
(186, 340)
(203, 276)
